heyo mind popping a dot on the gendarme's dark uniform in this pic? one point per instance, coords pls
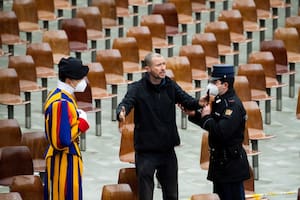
(229, 165)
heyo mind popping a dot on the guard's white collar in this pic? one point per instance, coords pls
(64, 86)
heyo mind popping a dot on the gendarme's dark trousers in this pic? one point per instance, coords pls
(166, 167)
(230, 191)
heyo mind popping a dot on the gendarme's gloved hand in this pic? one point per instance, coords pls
(83, 122)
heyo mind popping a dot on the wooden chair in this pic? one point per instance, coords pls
(221, 31)
(10, 195)
(65, 5)
(124, 11)
(280, 4)
(136, 4)
(211, 196)
(30, 187)
(93, 21)
(185, 14)
(46, 12)
(257, 81)
(117, 192)
(42, 56)
(279, 52)
(14, 161)
(196, 56)
(97, 82)
(293, 21)
(234, 20)
(58, 41)
(26, 11)
(204, 152)
(266, 59)
(9, 30)
(181, 68)
(76, 31)
(10, 93)
(208, 42)
(25, 68)
(298, 105)
(108, 10)
(199, 7)
(128, 176)
(254, 126)
(156, 25)
(11, 135)
(265, 12)
(111, 61)
(129, 50)
(248, 11)
(170, 16)
(143, 38)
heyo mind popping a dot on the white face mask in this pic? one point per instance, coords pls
(213, 89)
(80, 87)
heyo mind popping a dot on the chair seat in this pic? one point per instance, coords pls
(11, 39)
(279, 4)
(252, 26)
(46, 15)
(123, 12)
(114, 79)
(161, 43)
(30, 86)
(10, 196)
(273, 83)
(95, 34)
(188, 87)
(132, 67)
(143, 53)
(257, 134)
(29, 27)
(10, 99)
(263, 14)
(260, 95)
(63, 5)
(45, 72)
(107, 22)
(199, 74)
(293, 57)
(139, 2)
(240, 38)
(78, 46)
(187, 19)
(198, 7)
(128, 157)
(226, 50)
(100, 93)
(58, 56)
(210, 61)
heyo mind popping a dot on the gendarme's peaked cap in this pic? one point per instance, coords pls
(72, 68)
(222, 71)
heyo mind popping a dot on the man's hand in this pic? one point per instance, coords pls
(206, 110)
(186, 111)
(122, 114)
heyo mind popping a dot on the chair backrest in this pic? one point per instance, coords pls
(76, 31)
(14, 160)
(211, 196)
(142, 35)
(266, 59)
(183, 7)
(41, 53)
(208, 42)
(247, 9)
(156, 25)
(26, 10)
(45, 5)
(85, 99)
(24, 66)
(58, 41)
(263, 5)
(255, 75)
(293, 21)
(91, 16)
(111, 61)
(117, 192)
(254, 117)
(196, 55)
(234, 20)
(242, 88)
(290, 37)
(10, 132)
(126, 151)
(221, 31)
(9, 86)
(128, 48)
(96, 76)
(128, 175)
(279, 52)
(108, 11)
(204, 152)
(181, 68)
(249, 183)
(170, 16)
(9, 27)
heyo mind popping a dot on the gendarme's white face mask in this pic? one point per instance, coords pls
(213, 89)
(80, 87)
